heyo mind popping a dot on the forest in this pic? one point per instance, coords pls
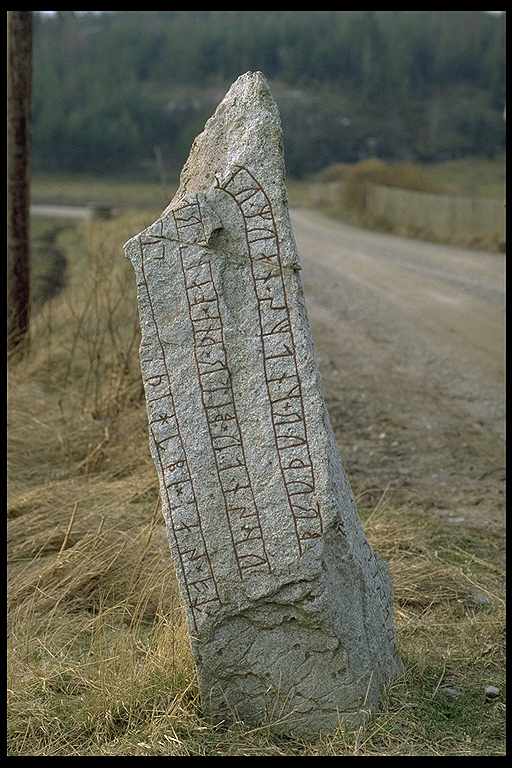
(125, 92)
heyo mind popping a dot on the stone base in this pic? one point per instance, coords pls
(314, 653)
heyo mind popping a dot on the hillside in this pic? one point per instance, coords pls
(401, 85)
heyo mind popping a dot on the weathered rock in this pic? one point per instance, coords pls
(290, 611)
(451, 692)
(491, 692)
(477, 599)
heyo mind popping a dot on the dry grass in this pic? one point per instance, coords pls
(374, 171)
(468, 177)
(99, 661)
(457, 203)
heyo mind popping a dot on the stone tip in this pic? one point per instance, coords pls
(250, 87)
(255, 79)
(245, 129)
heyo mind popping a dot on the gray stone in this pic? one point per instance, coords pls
(477, 599)
(491, 692)
(290, 611)
(451, 692)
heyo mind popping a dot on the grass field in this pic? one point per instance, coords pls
(470, 177)
(476, 177)
(119, 193)
(99, 661)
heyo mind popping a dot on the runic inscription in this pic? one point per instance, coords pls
(170, 455)
(290, 610)
(217, 395)
(279, 355)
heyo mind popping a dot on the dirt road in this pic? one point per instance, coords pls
(61, 211)
(410, 339)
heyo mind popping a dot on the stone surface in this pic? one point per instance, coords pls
(450, 692)
(478, 599)
(491, 692)
(290, 611)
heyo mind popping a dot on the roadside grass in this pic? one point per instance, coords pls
(458, 202)
(99, 659)
(466, 177)
(472, 177)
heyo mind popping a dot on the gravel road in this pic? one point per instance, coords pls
(410, 340)
(61, 211)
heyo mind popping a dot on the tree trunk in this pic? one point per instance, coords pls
(19, 108)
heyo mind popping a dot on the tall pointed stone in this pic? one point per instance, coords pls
(290, 611)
